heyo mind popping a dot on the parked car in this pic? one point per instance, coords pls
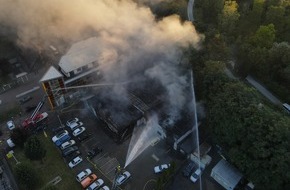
(95, 151)
(30, 108)
(69, 150)
(88, 180)
(78, 131)
(62, 140)
(10, 125)
(83, 136)
(188, 169)
(75, 162)
(10, 143)
(67, 144)
(71, 121)
(161, 168)
(83, 174)
(72, 155)
(195, 175)
(105, 188)
(57, 129)
(75, 125)
(59, 135)
(25, 99)
(123, 177)
(96, 185)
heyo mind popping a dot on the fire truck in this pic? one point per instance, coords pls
(36, 119)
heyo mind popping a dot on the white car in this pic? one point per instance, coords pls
(83, 174)
(10, 143)
(123, 177)
(75, 125)
(67, 144)
(71, 121)
(10, 125)
(78, 131)
(161, 168)
(75, 162)
(59, 135)
(195, 175)
(105, 188)
(96, 185)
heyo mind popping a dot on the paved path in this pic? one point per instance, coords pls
(263, 90)
(190, 10)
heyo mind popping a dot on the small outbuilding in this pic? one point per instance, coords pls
(226, 175)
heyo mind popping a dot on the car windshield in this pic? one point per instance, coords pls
(195, 176)
(122, 178)
(60, 134)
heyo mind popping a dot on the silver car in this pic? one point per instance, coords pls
(123, 177)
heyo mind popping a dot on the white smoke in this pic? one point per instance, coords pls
(131, 40)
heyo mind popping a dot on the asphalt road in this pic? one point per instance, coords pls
(190, 10)
(263, 90)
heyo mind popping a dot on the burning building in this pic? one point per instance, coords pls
(121, 114)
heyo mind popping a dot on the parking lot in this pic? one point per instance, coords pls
(105, 163)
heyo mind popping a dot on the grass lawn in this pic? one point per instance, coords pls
(52, 166)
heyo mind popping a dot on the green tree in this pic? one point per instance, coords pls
(278, 61)
(27, 176)
(275, 15)
(257, 12)
(34, 149)
(264, 36)
(19, 136)
(229, 17)
(258, 58)
(214, 78)
(253, 135)
(210, 10)
(251, 16)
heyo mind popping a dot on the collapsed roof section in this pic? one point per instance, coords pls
(122, 113)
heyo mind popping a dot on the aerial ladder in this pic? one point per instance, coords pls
(35, 116)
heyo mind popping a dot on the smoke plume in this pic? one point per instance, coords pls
(132, 43)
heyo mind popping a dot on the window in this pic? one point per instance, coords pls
(79, 70)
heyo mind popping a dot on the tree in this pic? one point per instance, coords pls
(214, 78)
(275, 15)
(229, 17)
(251, 16)
(279, 58)
(257, 12)
(210, 10)
(255, 137)
(19, 136)
(34, 149)
(264, 36)
(27, 176)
